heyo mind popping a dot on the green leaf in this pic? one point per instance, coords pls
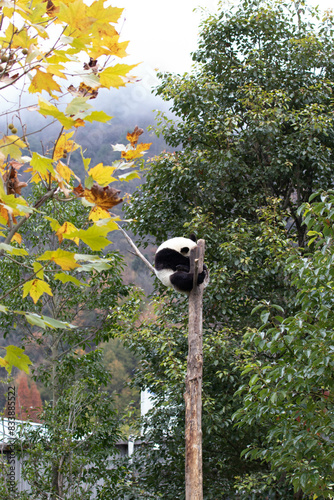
(54, 323)
(41, 164)
(45, 321)
(265, 316)
(48, 109)
(256, 308)
(77, 106)
(13, 250)
(89, 182)
(15, 357)
(34, 319)
(129, 176)
(94, 237)
(65, 278)
(98, 116)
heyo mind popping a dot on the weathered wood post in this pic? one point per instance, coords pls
(193, 394)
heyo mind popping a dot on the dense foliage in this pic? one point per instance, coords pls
(61, 290)
(255, 139)
(53, 44)
(291, 387)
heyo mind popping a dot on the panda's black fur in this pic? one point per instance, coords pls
(172, 265)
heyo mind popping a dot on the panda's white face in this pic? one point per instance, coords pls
(179, 244)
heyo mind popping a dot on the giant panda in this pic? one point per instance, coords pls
(172, 265)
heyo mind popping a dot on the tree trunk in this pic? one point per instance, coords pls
(193, 394)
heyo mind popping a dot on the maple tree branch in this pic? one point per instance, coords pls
(17, 226)
(56, 142)
(137, 251)
(18, 286)
(17, 262)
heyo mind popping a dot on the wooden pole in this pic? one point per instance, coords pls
(193, 394)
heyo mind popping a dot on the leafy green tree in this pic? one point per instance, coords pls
(291, 367)
(74, 455)
(122, 364)
(254, 130)
(255, 119)
(79, 417)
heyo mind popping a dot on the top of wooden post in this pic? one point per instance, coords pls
(197, 260)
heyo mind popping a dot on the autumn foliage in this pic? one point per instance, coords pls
(62, 52)
(28, 403)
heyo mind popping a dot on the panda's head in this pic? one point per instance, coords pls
(179, 244)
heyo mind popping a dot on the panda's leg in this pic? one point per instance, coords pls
(182, 281)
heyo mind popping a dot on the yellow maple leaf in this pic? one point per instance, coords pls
(57, 70)
(39, 270)
(64, 171)
(102, 174)
(109, 46)
(11, 145)
(100, 12)
(98, 213)
(21, 39)
(37, 176)
(104, 30)
(66, 229)
(62, 258)
(74, 14)
(113, 76)
(35, 288)
(64, 145)
(43, 81)
(137, 152)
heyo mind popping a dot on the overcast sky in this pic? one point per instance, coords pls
(163, 34)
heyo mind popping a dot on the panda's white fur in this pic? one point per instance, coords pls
(172, 264)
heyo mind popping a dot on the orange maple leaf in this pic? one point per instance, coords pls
(132, 154)
(132, 137)
(79, 191)
(103, 197)
(10, 178)
(5, 215)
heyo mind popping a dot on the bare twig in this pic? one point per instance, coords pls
(137, 251)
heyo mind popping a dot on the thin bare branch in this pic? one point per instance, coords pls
(137, 251)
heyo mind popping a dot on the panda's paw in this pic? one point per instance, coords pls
(204, 277)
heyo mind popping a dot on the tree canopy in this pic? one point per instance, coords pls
(254, 139)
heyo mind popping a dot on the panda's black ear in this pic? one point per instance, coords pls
(192, 237)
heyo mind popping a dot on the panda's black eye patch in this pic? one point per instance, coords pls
(184, 250)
